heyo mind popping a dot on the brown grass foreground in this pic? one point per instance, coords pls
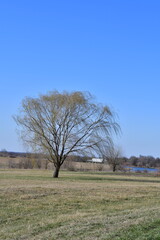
(78, 206)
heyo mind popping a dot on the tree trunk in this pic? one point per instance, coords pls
(114, 168)
(56, 172)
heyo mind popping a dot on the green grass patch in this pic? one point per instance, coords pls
(143, 231)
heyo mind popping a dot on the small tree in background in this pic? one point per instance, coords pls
(114, 157)
(111, 154)
(60, 124)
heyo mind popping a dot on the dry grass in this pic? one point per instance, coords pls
(78, 206)
(8, 162)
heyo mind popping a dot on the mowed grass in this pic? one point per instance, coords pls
(88, 206)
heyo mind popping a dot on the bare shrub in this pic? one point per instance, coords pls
(11, 164)
(157, 174)
(99, 167)
(70, 165)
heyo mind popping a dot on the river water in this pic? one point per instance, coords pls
(141, 169)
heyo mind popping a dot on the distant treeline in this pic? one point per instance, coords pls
(5, 153)
(141, 161)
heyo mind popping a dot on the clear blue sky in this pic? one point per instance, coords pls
(109, 48)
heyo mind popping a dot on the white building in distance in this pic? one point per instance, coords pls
(96, 160)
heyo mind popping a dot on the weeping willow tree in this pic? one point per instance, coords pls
(61, 124)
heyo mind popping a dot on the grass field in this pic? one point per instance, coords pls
(86, 206)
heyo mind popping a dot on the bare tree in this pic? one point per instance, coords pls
(113, 156)
(59, 124)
